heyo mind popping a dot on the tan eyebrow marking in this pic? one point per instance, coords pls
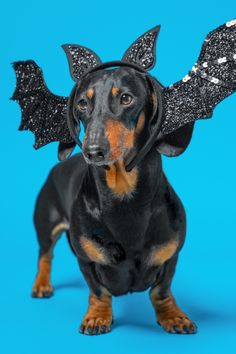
(90, 93)
(115, 91)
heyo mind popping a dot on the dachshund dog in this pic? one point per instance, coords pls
(126, 228)
(124, 221)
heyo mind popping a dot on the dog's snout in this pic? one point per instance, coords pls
(95, 153)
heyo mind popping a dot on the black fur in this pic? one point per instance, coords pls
(128, 227)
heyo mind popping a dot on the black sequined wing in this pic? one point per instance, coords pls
(211, 80)
(43, 113)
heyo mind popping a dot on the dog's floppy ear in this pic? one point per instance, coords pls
(143, 51)
(65, 150)
(81, 60)
(175, 143)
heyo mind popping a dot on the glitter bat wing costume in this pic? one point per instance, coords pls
(212, 79)
(43, 113)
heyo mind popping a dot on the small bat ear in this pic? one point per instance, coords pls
(143, 51)
(80, 60)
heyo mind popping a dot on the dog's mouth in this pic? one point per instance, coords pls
(104, 163)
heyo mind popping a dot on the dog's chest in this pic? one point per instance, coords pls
(128, 276)
(128, 225)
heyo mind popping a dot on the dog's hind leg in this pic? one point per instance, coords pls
(49, 224)
(169, 315)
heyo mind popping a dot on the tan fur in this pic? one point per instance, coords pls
(140, 124)
(42, 285)
(90, 93)
(93, 251)
(121, 139)
(169, 315)
(161, 254)
(115, 91)
(120, 181)
(59, 228)
(42, 282)
(99, 315)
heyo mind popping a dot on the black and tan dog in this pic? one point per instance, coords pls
(124, 222)
(126, 228)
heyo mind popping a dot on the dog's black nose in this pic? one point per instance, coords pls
(95, 153)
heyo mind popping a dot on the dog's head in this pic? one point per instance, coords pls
(114, 107)
(118, 103)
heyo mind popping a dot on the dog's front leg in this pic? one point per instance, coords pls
(169, 315)
(92, 251)
(98, 318)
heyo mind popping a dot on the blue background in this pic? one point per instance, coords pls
(204, 177)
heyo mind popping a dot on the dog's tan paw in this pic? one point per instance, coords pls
(98, 325)
(178, 325)
(98, 318)
(42, 287)
(42, 290)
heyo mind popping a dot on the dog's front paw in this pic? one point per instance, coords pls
(178, 325)
(170, 316)
(98, 318)
(95, 325)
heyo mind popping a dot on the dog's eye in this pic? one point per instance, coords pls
(126, 99)
(82, 105)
